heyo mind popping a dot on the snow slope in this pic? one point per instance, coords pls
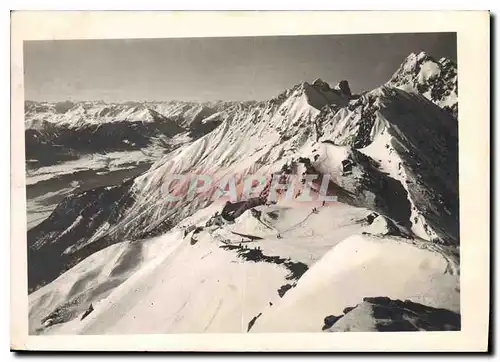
(363, 266)
(169, 284)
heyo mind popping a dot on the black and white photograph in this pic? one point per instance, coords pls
(243, 184)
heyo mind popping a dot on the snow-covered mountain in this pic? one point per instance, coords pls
(146, 264)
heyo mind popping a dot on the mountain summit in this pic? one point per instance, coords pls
(435, 80)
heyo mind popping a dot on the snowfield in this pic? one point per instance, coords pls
(168, 285)
(357, 267)
(121, 258)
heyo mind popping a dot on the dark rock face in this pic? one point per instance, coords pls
(330, 321)
(344, 88)
(283, 289)
(321, 85)
(432, 166)
(200, 129)
(87, 312)
(61, 240)
(252, 322)
(232, 211)
(295, 268)
(383, 314)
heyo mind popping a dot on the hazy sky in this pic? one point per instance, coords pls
(216, 68)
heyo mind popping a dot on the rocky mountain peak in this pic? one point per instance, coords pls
(343, 86)
(435, 80)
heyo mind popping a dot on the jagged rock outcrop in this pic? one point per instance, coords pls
(382, 314)
(343, 86)
(321, 85)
